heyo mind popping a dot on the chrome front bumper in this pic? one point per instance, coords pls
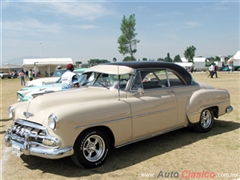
(26, 149)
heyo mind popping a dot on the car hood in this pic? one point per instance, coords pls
(42, 81)
(39, 108)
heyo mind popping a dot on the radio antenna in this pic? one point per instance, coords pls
(118, 83)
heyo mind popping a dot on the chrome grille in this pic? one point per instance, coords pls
(28, 131)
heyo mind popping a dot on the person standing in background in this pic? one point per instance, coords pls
(36, 71)
(30, 75)
(33, 72)
(26, 73)
(22, 79)
(216, 69)
(212, 70)
(69, 78)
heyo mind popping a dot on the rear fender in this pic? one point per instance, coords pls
(202, 99)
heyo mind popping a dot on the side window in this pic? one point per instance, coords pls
(174, 80)
(155, 78)
(150, 79)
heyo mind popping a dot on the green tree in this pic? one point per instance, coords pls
(129, 58)
(127, 41)
(217, 58)
(168, 58)
(93, 62)
(114, 59)
(78, 63)
(177, 58)
(160, 59)
(190, 53)
(144, 59)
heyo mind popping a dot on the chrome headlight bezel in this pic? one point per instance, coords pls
(52, 121)
(11, 112)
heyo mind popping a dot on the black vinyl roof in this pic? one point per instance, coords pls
(156, 64)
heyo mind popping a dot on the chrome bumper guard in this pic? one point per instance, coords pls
(39, 144)
(229, 109)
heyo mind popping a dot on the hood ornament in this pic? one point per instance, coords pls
(27, 114)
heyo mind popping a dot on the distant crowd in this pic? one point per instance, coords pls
(31, 74)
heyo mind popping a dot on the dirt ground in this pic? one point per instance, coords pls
(182, 154)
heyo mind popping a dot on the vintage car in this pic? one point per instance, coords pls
(47, 80)
(25, 93)
(5, 75)
(82, 81)
(124, 102)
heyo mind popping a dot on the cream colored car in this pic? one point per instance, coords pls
(124, 102)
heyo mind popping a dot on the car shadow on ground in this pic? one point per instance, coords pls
(2, 120)
(129, 155)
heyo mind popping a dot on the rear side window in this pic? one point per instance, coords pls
(174, 80)
(151, 79)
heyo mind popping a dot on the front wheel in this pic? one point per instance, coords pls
(206, 121)
(91, 148)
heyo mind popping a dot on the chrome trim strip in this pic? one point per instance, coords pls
(104, 122)
(154, 112)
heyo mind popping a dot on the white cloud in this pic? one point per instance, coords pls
(191, 24)
(30, 25)
(86, 26)
(83, 10)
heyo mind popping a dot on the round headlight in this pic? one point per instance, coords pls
(52, 121)
(11, 112)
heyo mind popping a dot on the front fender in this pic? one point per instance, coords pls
(205, 98)
(113, 114)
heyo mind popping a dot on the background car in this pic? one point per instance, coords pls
(26, 93)
(226, 68)
(45, 81)
(5, 75)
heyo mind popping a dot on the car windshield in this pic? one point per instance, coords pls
(109, 81)
(58, 73)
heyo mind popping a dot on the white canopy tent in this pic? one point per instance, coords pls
(47, 65)
(8, 67)
(235, 59)
(198, 62)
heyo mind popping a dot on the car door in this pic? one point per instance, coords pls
(154, 110)
(183, 93)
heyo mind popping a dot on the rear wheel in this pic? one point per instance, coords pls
(91, 148)
(206, 121)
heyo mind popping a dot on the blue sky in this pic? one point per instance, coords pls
(84, 30)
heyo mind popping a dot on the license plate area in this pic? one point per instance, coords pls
(16, 150)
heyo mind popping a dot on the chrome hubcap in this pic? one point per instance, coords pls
(206, 118)
(93, 148)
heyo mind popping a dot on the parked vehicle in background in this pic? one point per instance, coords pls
(45, 81)
(226, 68)
(124, 102)
(26, 93)
(5, 75)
